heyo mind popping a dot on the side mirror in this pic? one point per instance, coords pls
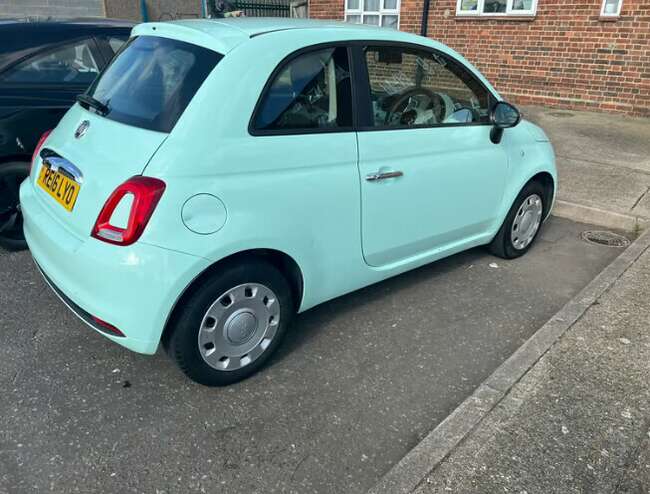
(503, 116)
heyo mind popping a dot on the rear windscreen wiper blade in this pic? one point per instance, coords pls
(89, 101)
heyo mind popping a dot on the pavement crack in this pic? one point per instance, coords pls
(636, 203)
(630, 459)
(293, 474)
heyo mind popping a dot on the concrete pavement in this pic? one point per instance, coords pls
(579, 420)
(603, 163)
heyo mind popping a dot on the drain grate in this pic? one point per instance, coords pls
(610, 239)
(561, 114)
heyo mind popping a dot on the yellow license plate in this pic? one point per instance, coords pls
(64, 190)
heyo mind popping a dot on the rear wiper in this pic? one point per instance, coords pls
(89, 101)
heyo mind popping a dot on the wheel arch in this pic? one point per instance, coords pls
(15, 158)
(282, 261)
(541, 175)
(548, 183)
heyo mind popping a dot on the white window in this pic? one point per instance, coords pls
(496, 7)
(611, 8)
(375, 12)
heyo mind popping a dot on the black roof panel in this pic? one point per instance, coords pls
(21, 34)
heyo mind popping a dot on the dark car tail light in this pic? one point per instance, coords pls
(38, 147)
(146, 192)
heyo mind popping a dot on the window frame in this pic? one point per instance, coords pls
(361, 12)
(366, 117)
(95, 51)
(611, 15)
(510, 12)
(254, 131)
(362, 115)
(103, 41)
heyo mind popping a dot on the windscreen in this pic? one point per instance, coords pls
(151, 81)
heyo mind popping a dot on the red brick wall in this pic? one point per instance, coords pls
(564, 57)
(327, 9)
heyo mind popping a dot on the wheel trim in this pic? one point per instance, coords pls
(239, 326)
(526, 222)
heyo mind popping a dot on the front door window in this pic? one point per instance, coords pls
(412, 88)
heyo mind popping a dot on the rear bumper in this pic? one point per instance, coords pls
(78, 311)
(133, 288)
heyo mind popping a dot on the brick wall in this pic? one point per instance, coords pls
(326, 9)
(157, 10)
(51, 8)
(395, 78)
(565, 57)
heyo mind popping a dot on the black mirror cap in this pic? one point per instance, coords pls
(504, 115)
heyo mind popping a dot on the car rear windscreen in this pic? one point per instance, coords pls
(151, 81)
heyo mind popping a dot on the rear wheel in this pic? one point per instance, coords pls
(11, 218)
(522, 224)
(231, 325)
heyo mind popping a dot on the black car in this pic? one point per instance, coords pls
(44, 65)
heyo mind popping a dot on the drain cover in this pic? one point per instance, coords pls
(610, 239)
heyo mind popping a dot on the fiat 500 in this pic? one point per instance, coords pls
(221, 176)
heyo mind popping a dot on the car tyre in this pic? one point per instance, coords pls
(522, 224)
(11, 232)
(242, 312)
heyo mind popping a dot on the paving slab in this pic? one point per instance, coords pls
(603, 164)
(616, 140)
(579, 420)
(359, 382)
(604, 186)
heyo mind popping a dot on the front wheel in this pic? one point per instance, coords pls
(522, 224)
(230, 325)
(11, 219)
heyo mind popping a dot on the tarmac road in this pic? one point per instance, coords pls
(357, 383)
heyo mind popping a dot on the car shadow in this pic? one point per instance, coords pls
(307, 324)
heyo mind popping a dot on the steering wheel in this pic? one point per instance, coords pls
(413, 106)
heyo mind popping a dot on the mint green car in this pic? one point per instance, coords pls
(221, 176)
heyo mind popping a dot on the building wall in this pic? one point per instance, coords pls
(565, 57)
(51, 8)
(157, 10)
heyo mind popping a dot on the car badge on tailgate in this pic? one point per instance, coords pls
(81, 130)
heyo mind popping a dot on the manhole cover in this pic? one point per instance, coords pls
(561, 114)
(610, 239)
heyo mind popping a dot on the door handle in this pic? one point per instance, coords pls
(383, 176)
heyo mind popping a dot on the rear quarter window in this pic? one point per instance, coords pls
(152, 80)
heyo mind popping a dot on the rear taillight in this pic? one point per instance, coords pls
(145, 193)
(39, 145)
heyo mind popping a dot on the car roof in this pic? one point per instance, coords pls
(63, 23)
(223, 35)
(254, 26)
(23, 34)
